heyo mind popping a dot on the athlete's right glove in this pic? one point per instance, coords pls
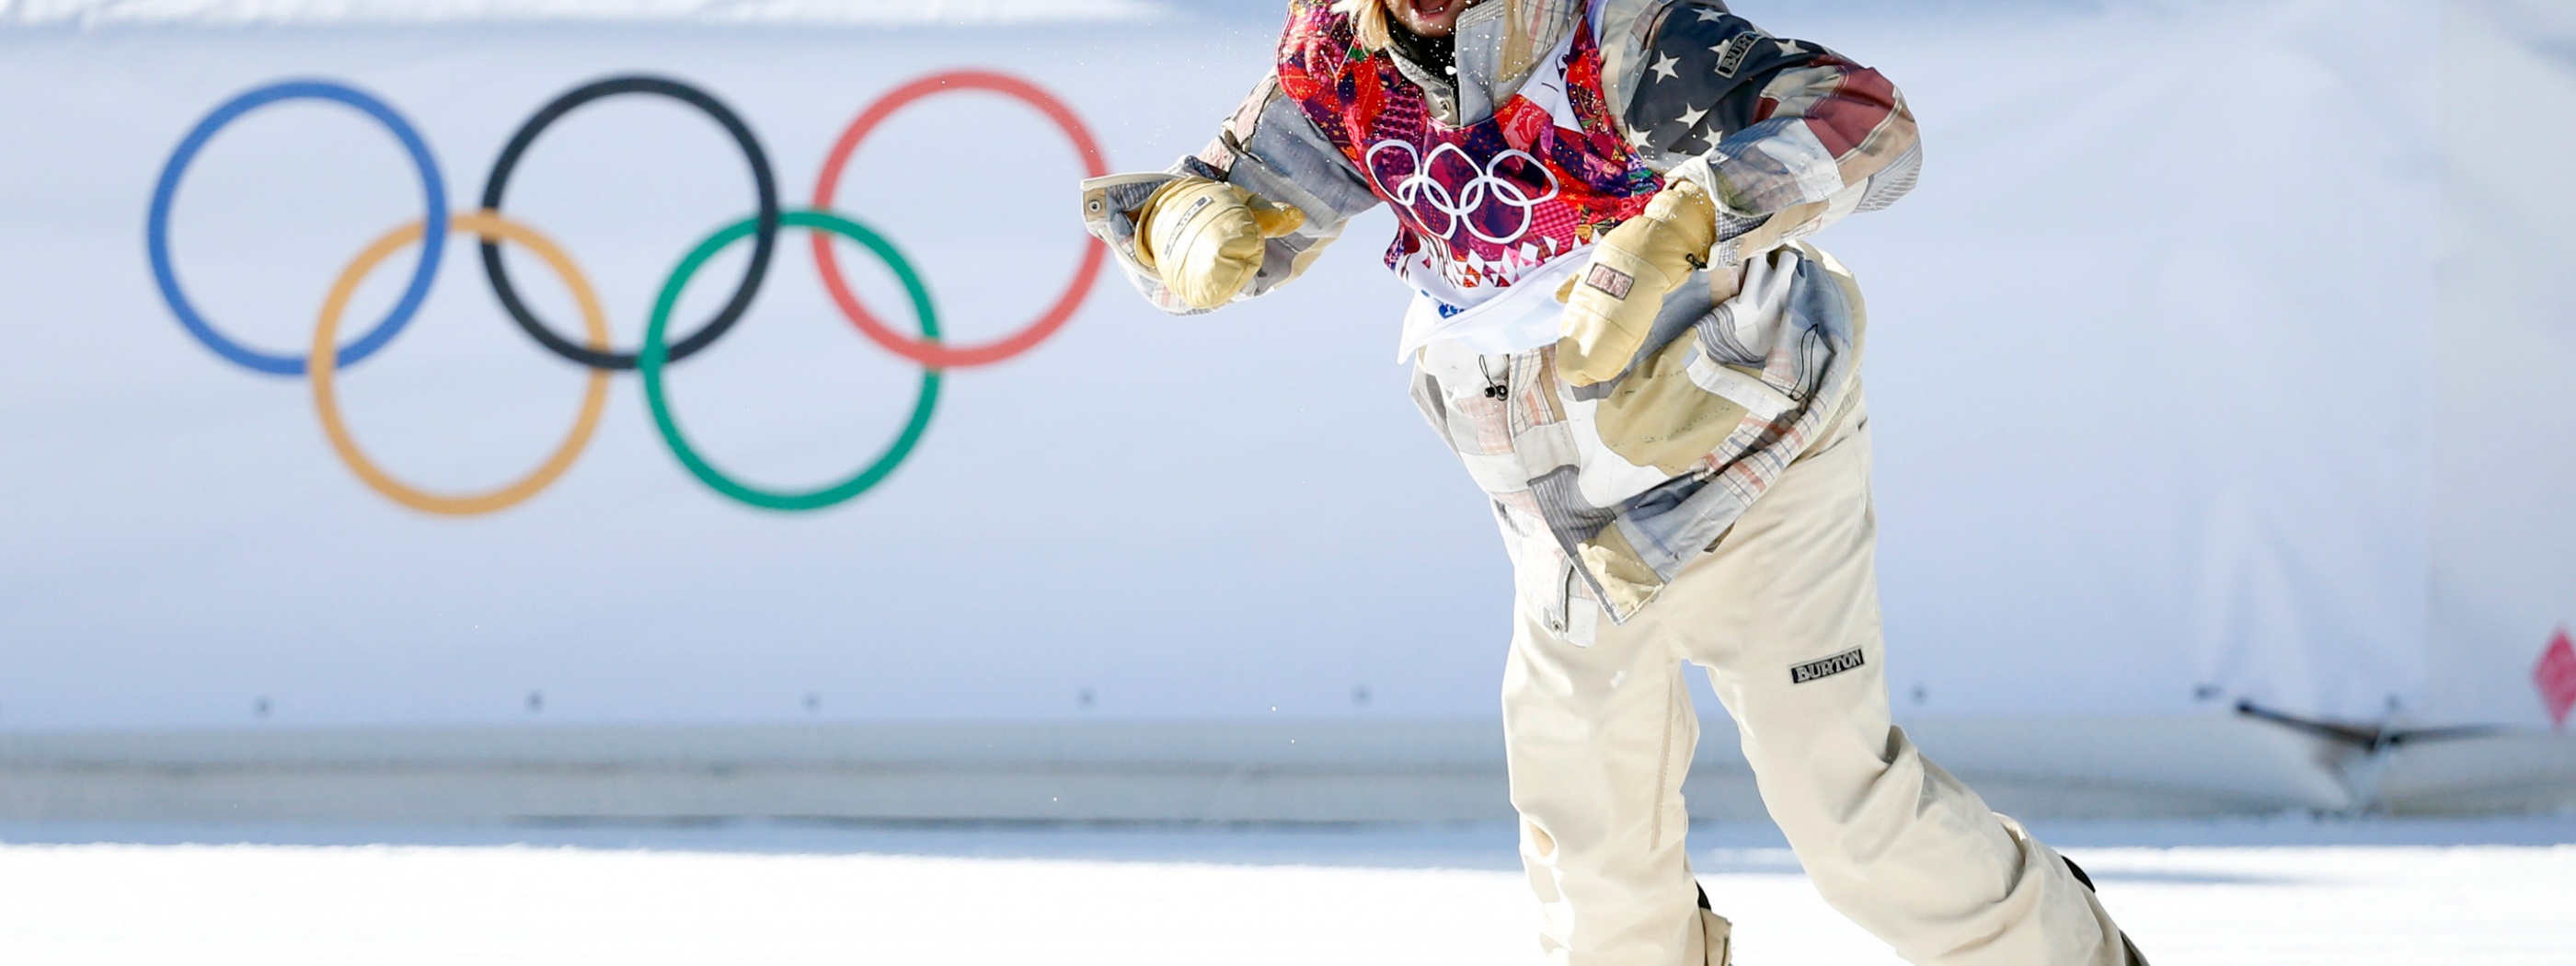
(1203, 237)
(1610, 306)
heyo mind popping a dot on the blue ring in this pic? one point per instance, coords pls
(434, 240)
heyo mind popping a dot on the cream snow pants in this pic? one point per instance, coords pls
(1784, 614)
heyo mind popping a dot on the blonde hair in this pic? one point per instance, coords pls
(1368, 21)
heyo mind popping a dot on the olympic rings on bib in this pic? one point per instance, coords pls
(1420, 189)
(325, 359)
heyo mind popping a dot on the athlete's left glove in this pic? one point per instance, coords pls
(1203, 237)
(1610, 306)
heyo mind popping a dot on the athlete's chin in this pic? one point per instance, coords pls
(1428, 18)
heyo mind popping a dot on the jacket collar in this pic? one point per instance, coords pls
(1501, 43)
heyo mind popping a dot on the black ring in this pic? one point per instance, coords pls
(764, 237)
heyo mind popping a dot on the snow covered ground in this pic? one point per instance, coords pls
(2283, 891)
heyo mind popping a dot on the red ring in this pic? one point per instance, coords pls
(932, 354)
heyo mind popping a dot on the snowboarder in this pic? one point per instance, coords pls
(1619, 325)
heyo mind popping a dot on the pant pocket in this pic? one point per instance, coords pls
(1659, 416)
(1561, 601)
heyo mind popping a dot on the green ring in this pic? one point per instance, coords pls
(653, 356)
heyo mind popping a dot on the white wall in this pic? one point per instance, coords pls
(1132, 508)
(2504, 533)
(2148, 370)
(2147, 351)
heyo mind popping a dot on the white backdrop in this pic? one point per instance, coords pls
(2151, 372)
(2504, 528)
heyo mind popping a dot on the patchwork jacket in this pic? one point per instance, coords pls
(1602, 492)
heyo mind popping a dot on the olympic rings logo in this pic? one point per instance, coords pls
(327, 357)
(1419, 189)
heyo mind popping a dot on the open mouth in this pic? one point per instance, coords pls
(1431, 10)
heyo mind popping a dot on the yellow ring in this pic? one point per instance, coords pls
(322, 362)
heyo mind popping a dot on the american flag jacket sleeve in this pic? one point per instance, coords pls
(1789, 135)
(1267, 147)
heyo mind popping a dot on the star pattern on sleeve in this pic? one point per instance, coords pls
(1694, 136)
(1800, 121)
(1691, 72)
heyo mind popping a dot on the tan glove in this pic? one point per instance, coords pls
(1204, 237)
(1610, 306)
